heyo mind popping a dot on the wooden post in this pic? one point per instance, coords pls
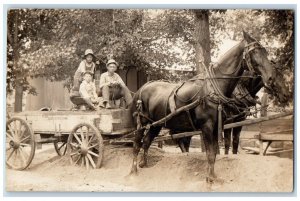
(261, 148)
(263, 113)
(264, 105)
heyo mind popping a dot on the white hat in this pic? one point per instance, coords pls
(111, 61)
(89, 51)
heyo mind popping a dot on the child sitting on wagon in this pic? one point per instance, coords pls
(86, 64)
(112, 86)
(87, 91)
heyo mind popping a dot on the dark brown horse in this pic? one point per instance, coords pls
(246, 92)
(151, 100)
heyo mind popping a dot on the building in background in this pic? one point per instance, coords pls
(56, 96)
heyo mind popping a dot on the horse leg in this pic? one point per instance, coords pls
(187, 143)
(181, 144)
(147, 140)
(210, 133)
(236, 139)
(227, 139)
(137, 144)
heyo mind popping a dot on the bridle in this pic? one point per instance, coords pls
(246, 57)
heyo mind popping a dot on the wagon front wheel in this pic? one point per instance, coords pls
(85, 146)
(20, 144)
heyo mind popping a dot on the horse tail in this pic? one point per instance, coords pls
(139, 111)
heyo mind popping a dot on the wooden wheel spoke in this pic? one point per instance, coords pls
(87, 163)
(22, 132)
(24, 152)
(22, 156)
(77, 138)
(81, 134)
(19, 128)
(25, 138)
(25, 145)
(90, 140)
(74, 153)
(93, 146)
(65, 150)
(9, 156)
(87, 135)
(9, 148)
(15, 127)
(91, 160)
(92, 153)
(11, 130)
(9, 136)
(61, 145)
(82, 161)
(78, 159)
(74, 145)
(9, 164)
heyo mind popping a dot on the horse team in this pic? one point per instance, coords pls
(152, 102)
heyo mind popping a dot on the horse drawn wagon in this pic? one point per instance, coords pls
(200, 107)
(80, 132)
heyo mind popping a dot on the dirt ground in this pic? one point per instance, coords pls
(168, 171)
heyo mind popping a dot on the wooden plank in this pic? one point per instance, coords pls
(261, 147)
(176, 136)
(289, 131)
(47, 140)
(252, 127)
(258, 120)
(277, 125)
(255, 150)
(276, 137)
(249, 134)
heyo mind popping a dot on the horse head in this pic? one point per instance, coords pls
(256, 59)
(279, 88)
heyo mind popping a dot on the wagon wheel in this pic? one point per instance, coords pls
(20, 144)
(60, 148)
(85, 146)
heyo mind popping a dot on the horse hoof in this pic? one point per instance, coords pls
(210, 180)
(133, 173)
(142, 164)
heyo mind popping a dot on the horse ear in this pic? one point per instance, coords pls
(247, 37)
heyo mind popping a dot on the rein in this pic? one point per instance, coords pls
(222, 99)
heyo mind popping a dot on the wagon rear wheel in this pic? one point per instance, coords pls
(20, 144)
(85, 146)
(60, 148)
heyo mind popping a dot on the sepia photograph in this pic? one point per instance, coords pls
(149, 100)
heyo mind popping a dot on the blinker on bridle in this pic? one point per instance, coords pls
(246, 56)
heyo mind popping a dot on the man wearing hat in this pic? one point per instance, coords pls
(109, 81)
(87, 91)
(85, 65)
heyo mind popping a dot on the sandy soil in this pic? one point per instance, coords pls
(167, 171)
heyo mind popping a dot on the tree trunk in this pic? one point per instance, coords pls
(202, 46)
(18, 82)
(18, 96)
(202, 40)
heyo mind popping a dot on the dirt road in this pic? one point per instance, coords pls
(167, 171)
